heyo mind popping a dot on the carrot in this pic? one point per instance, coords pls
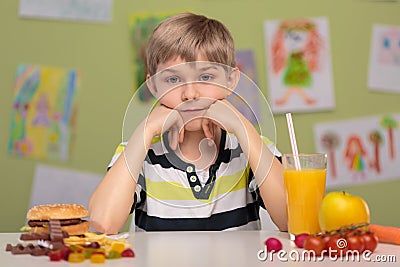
(386, 234)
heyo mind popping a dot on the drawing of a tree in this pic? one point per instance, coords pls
(330, 141)
(389, 123)
(376, 138)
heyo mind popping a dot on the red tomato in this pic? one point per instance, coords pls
(337, 245)
(326, 238)
(314, 243)
(370, 241)
(355, 242)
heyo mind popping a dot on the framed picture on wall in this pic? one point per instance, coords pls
(141, 27)
(299, 65)
(384, 62)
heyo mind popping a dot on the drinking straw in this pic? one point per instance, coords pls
(293, 140)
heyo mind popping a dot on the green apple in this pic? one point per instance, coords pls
(341, 209)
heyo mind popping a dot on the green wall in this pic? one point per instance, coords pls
(102, 53)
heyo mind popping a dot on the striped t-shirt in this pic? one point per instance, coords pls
(173, 195)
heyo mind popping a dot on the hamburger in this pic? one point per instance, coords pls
(70, 217)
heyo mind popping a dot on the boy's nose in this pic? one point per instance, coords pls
(190, 91)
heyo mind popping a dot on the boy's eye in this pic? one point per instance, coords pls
(173, 79)
(205, 77)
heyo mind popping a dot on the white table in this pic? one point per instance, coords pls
(190, 249)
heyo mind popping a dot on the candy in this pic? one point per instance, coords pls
(55, 256)
(88, 252)
(118, 246)
(65, 251)
(128, 253)
(94, 245)
(76, 257)
(97, 258)
(113, 255)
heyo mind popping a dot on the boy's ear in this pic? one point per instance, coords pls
(150, 85)
(233, 78)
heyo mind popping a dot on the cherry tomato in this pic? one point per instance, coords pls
(355, 242)
(337, 245)
(314, 243)
(370, 241)
(326, 238)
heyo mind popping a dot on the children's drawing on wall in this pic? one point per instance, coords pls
(299, 65)
(360, 150)
(355, 156)
(330, 141)
(141, 27)
(43, 114)
(246, 97)
(77, 10)
(384, 62)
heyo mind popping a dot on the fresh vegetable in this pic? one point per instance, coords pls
(370, 241)
(314, 243)
(386, 234)
(339, 241)
(299, 240)
(337, 245)
(273, 244)
(355, 242)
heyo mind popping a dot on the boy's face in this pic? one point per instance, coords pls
(191, 87)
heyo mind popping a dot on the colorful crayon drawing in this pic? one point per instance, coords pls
(141, 27)
(330, 141)
(246, 96)
(75, 10)
(43, 113)
(389, 51)
(384, 62)
(299, 65)
(355, 155)
(375, 137)
(390, 124)
(367, 152)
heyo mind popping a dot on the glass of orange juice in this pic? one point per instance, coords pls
(305, 188)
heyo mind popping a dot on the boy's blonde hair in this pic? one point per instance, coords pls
(186, 35)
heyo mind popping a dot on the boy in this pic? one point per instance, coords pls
(183, 167)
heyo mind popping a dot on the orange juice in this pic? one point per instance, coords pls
(305, 189)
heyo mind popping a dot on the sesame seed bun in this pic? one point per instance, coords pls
(57, 212)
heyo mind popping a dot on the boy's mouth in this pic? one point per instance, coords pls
(194, 110)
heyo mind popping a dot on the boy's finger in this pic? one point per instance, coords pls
(206, 129)
(181, 135)
(172, 139)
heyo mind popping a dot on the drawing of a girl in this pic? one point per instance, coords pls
(389, 51)
(355, 155)
(295, 50)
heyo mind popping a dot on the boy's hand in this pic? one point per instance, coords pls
(162, 119)
(223, 114)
